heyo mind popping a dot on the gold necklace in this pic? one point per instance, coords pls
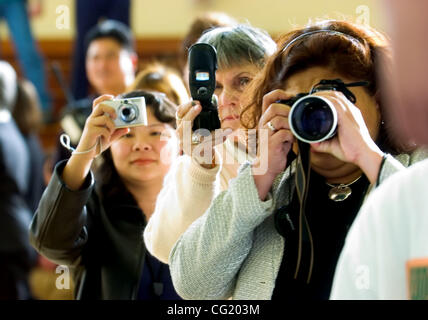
(342, 191)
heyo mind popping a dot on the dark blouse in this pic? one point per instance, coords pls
(154, 280)
(329, 222)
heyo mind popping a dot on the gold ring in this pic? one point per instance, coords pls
(177, 116)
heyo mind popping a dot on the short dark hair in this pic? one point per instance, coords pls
(112, 29)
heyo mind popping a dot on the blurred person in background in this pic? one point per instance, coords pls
(17, 257)
(111, 60)
(88, 15)
(28, 117)
(161, 78)
(16, 13)
(110, 64)
(386, 251)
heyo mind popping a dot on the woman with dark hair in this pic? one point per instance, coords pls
(96, 228)
(277, 233)
(17, 258)
(28, 117)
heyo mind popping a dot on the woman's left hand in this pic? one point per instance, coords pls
(352, 142)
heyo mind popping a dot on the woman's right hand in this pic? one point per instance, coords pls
(272, 159)
(186, 114)
(100, 125)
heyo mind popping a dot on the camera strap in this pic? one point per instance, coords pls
(302, 177)
(65, 141)
(284, 218)
(339, 85)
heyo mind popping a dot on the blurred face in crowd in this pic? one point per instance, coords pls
(110, 67)
(230, 84)
(145, 154)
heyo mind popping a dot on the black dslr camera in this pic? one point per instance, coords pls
(314, 118)
(202, 68)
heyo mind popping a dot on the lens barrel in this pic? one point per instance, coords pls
(128, 112)
(313, 119)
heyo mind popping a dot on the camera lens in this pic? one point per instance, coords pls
(313, 119)
(202, 91)
(128, 113)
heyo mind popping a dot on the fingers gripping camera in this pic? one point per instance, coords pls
(313, 118)
(130, 112)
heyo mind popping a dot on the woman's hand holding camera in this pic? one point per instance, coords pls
(352, 142)
(98, 134)
(100, 128)
(274, 120)
(186, 114)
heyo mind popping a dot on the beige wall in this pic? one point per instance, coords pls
(166, 18)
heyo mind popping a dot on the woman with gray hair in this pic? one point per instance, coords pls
(193, 182)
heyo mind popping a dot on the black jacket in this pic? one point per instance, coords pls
(17, 257)
(99, 237)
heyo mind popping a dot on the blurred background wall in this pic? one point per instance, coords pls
(171, 18)
(159, 26)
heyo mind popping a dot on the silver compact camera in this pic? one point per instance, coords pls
(131, 112)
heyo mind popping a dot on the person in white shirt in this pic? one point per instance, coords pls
(191, 183)
(388, 233)
(389, 236)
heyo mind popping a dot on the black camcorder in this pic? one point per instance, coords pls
(313, 118)
(202, 83)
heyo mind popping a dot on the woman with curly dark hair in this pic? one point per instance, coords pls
(278, 230)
